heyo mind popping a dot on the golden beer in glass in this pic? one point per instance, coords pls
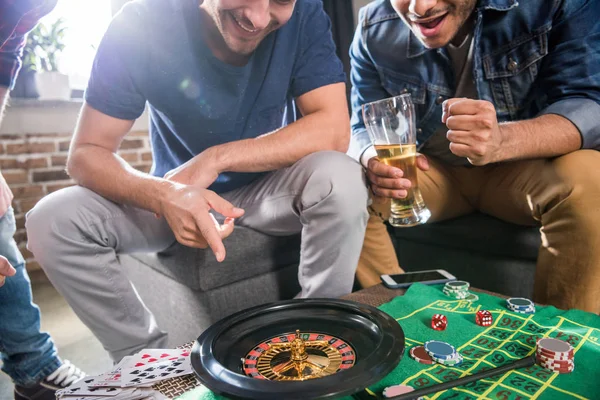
(391, 127)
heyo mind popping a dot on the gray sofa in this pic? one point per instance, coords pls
(188, 290)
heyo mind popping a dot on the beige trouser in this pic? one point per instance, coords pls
(561, 194)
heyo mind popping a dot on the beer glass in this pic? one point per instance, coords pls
(391, 126)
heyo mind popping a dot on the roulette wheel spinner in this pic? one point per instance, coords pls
(298, 349)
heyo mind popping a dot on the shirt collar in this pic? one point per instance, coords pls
(415, 48)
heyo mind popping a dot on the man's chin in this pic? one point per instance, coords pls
(242, 48)
(433, 42)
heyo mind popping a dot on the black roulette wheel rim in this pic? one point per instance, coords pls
(377, 339)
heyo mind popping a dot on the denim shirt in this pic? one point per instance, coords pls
(530, 58)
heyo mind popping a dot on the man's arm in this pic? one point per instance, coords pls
(94, 164)
(570, 76)
(474, 133)
(324, 126)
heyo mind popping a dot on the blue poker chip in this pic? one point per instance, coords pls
(519, 302)
(441, 350)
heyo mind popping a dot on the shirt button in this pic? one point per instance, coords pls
(404, 91)
(419, 130)
(512, 65)
(439, 100)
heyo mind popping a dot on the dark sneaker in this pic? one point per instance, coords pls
(64, 376)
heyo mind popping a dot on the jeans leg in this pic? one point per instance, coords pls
(27, 354)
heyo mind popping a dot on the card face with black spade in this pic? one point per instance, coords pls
(113, 377)
(155, 372)
(84, 387)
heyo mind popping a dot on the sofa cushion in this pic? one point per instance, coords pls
(249, 253)
(478, 233)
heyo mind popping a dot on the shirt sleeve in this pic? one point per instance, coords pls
(318, 65)
(10, 60)
(366, 87)
(570, 73)
(13, 36)
(112, 88)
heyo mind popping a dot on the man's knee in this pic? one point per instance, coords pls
(579, 175)
(56, 215)
(338, 178)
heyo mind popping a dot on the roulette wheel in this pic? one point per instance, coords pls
(298, 349)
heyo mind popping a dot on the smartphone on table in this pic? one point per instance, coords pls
(430, 277)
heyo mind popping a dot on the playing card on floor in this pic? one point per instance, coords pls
(150, 356)
(152, 373)
(85, 387)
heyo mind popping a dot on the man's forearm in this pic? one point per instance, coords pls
(546, 136)
(107, 174)
(282, 148)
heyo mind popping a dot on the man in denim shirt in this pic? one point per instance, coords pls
(507, 97)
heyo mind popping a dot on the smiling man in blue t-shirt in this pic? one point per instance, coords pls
(226, 82)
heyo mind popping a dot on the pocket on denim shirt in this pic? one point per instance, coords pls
(396, 84)
(512, 70)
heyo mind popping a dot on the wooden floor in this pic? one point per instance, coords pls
(74, 341)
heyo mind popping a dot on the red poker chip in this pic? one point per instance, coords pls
(560, 364)
(418, 353)
(559, 370)
(545, 357)
(556, 355)
(554, 365)
(555, 346)
(557, 366)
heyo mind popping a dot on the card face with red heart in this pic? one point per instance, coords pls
(150, 356)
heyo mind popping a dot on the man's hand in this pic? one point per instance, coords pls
(5, 270)
(199, 171)
(186, 209)
(387, 182)
(473, 130)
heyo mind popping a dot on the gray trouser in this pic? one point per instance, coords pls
(76, 235)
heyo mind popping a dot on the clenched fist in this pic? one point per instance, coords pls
(473, 130)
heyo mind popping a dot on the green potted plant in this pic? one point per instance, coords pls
(41, 53)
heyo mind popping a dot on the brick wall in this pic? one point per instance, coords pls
(34, 166)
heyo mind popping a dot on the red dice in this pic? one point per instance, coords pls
(439, 322)
(484, 318)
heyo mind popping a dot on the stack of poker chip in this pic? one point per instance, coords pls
(520, 305)
(555, 355)
(459, 290)
(443, 353)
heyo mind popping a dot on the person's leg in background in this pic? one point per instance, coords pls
(378, 256)
(28, 355)
(76, 235)
(323, 196)
(563, 194)
(442, 195)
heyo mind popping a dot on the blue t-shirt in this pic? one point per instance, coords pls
(153, 52)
